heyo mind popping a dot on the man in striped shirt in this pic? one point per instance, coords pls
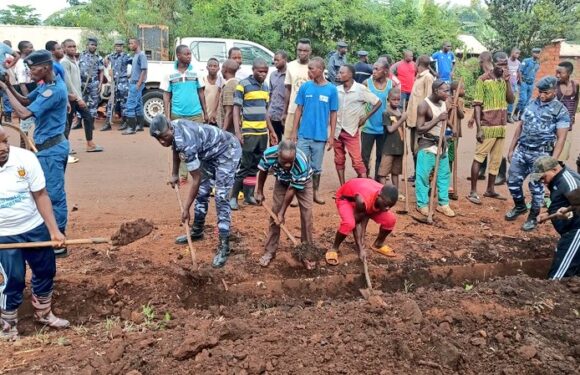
(251, 105)
(293, 179)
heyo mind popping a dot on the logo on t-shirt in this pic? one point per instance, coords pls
(323, 98)
(21, 172)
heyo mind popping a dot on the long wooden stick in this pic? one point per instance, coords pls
(187, 230)
(275, 218)
(405, 167)
(28, 245)
(456, 129)
(367, 276)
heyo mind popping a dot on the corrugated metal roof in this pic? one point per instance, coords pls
(569, 49)
(470, 44)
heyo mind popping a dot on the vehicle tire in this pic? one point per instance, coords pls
(152, 104)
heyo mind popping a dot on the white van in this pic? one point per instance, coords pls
(202, 49)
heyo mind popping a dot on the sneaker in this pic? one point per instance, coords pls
(72, 160)
(446, 210)
(52, 321)
(423, 211)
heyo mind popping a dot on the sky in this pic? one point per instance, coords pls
(47, 7)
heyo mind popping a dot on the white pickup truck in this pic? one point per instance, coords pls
(201, 50)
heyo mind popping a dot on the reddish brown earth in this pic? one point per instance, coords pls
(458, 297)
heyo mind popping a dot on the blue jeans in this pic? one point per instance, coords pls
(426, 164)
(314, 151)
(526, 91)
(13, 266)
(134, 101)
(510, 108)
(53, 163)
(405, 96)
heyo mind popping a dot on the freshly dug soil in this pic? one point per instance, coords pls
(132, 231)
(307, 252)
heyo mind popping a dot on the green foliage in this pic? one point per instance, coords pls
(469, 70)
(532, 23)
(19, 15)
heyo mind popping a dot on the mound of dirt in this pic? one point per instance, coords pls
(132, 231)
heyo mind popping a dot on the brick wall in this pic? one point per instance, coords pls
(549, 60)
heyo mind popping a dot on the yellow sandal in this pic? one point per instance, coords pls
(331, 258)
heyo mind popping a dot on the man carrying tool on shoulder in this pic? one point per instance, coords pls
(357, 201)
(293, 178)
(25, 216)
(212, 156)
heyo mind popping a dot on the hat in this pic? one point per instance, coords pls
(119, 42)
(547, 83)
(536, 50)
(342, 44)
(541, 166)
(41, 56)
(362, 53)
(158, 126)
(92, 39)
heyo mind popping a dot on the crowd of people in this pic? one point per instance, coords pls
(229, 132)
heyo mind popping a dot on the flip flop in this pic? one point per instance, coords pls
(331, 258)
(384, 250)
(95, 149)
(494, 196)
(266, 259)
(474, 198)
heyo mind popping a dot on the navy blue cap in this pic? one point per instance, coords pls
(362, 53)
(342, 44)
(159, 124)
(536, 50)
(92, 39)
(119, 42)
(41, 56)
(547, 83)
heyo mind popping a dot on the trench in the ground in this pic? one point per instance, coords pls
(206, 292)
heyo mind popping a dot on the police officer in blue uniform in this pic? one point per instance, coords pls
(212, 156)
(542, 132)
(118, 62)
(48, 104)
(91, 66)
(528, 70)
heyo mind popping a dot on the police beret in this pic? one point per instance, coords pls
(547, 83)
(119, 42)
(342, 44)
(158, 126)
(362, 53)
(41, 56)
(92, 39)
(541, 166)
(536, 50)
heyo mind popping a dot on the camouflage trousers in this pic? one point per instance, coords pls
(121, 92)
(218, 172)
(520, 167)
(92, 97)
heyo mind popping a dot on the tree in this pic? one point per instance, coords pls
(532, 23)
(19, 15)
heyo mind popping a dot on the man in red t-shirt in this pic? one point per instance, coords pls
(357, 201)
(405, 70)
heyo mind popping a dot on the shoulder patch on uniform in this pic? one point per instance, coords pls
(47, 93)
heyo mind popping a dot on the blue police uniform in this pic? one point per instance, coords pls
(90, 66)
(48, 104)
(528, 69)
(218, 154)
(119, 62)
(540, 121)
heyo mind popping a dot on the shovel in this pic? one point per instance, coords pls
(275, 218)
(574, 199)
(187, 229)
(129, 232)
(366, 293)
(405, 173)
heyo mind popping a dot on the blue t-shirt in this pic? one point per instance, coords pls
(138, 64)
(529, 69)
(317, 102)
(58, 69)
(374, 124)
(48, 105)
(4, 50)
(444, 63)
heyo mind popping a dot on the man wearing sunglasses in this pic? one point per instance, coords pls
(542, 132)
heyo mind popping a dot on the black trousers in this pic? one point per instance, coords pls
(88, 120)
(367, 142)
(566, 261)
(252, 151)
(278, 128)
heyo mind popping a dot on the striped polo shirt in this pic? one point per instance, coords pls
(253, 97)
(297, 176)
(183, 88)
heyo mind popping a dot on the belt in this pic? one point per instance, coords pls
(547, 148)
(133, 81)
(50, 142)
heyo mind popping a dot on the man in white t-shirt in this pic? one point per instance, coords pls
(296, 75)
(25, 216)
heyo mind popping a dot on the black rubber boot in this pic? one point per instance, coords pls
(532, 220)
(106, 127)
(520, 208)
(516, 116)
(223, 252)
(249, 195)
(140, 123)
(124, 125)
(196, 234)
(238, 185)
(131, 125)
(500, 178)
